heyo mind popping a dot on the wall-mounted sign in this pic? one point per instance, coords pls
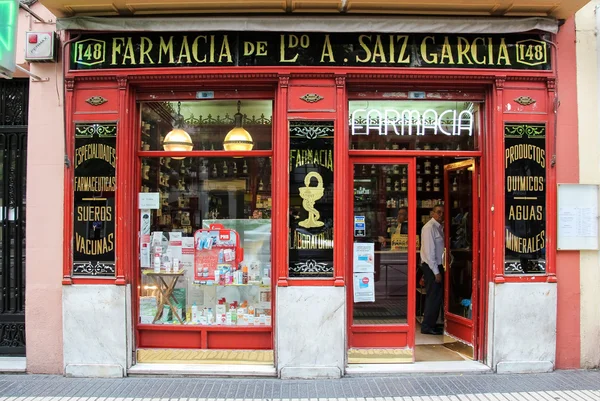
(409, 122)
(9, 16)
(197, 49)
(94, 199)
(577, 216)
(311, 199)
(525, 198)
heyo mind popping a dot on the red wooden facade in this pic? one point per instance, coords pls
(123, 89)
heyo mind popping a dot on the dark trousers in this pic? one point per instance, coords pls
(434, 297)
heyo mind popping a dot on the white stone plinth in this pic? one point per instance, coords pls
(524, 327)
(310, 332)
(94, 330)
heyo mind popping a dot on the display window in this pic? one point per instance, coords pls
(207, 124)
(525, 198)
(311, 197)
(205, 243)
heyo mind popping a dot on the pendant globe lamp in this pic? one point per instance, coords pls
(177, 140)
(238, 139)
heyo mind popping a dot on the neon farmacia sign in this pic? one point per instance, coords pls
(412, 122)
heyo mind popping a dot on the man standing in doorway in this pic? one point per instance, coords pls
(432, 248)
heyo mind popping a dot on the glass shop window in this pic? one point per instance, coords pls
(414, 125)
(207, 125)
(525, 198)
(205, 245)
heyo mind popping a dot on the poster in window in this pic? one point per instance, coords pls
(364, 287)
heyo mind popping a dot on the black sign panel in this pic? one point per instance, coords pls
(195, 49)
(94, 200)
(525, 198)
(311, 199)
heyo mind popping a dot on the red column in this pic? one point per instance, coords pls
(280, 183)
(124, 190)
(68, 182)
(497, 196)
(341, 145)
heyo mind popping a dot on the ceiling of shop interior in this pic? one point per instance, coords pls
(548, 8)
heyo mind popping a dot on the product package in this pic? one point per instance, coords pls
(148, 308)
(175, 246)
(187, 253)
(214, 248)
(180, 296)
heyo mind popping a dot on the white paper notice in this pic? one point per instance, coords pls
(364, 257)
(148, 200)
(577, 222)
(364, 287)
(577, 216)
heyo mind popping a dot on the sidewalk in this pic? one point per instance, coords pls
(556, 386)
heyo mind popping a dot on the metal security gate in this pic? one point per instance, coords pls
(14, 97)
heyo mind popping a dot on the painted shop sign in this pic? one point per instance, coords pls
(94, 200)
(311, 199)
(525, 198)
(102, 51)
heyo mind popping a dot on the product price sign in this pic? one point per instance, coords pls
(525, 198)
(94, 187)
(311, 199)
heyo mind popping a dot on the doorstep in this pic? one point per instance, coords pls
(358, 356)
(13, 364)
(205, 356)
(220, 370)
(417, 367)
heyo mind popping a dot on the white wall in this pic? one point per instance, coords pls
(587, 22)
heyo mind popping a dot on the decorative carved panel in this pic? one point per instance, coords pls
(525, 100)
(312, 97)
(96, 100)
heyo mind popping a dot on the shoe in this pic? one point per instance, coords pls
(435, 331)
(440, 326)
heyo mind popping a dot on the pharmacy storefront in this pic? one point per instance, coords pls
(262, 194)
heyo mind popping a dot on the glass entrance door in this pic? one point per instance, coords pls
(462, 250)
(384, 249)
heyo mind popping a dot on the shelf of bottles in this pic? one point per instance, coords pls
(192, 188)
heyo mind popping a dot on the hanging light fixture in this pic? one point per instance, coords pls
(177, 140)
(238, 138)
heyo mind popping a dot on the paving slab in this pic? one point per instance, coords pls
(555, 386)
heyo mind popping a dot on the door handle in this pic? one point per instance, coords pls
(447, 258)
(444, 258)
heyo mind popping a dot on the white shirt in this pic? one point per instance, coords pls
(432, 245)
